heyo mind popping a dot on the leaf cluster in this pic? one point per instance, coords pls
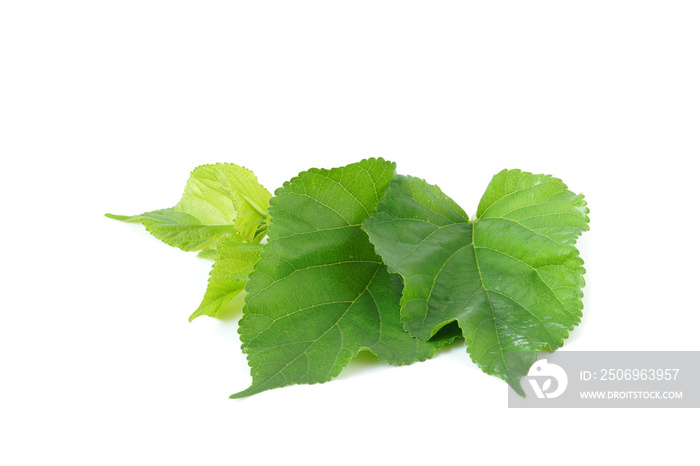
(359, 258)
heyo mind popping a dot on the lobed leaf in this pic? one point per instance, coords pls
(511, 279)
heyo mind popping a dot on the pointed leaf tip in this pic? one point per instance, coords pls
(123, 218)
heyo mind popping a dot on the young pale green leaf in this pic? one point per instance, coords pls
(181, 230)
(511, 279)
(222, 201)
(320, 294)
(207, 253)
(233, 263)
(225, 193)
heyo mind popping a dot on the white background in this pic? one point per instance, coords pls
(107, 106)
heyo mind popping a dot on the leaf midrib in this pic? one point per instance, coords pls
(488, 297)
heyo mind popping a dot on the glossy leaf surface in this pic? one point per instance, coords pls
(511, 278)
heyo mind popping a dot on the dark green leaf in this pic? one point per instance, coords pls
(320, 294)
(512, 278)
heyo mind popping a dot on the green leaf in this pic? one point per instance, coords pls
(221, 202)
(208, 253)
(225, 193)
(181, 230)
(320, 294)
(511, 279)
(540, 203)
(229, 274)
